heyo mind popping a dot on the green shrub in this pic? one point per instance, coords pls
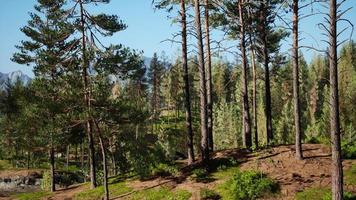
(248, 185)
(163, 169)
(348, 150)
(350, 176)
(200, 174)
(5, 164)
(46, 181)
(320, 194)
(207, 194)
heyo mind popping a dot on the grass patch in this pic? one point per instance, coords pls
(5, 164)
(207, 194)
(350, 176)
(32, 195)
(225, 173)
(115, 189)
(247, 185)
(161, 193)
(320, 194)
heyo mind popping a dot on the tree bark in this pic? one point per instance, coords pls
(28, 159)
(51, 160)
(105, 167)
(87, 100)
(247, 140)
(188, 111)
(337, 173)
(254, 84)
(67, 156)
(209, 88)
(295, 57)
(203, 97)
(268, 110)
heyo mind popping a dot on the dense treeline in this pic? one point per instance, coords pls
(100, 109)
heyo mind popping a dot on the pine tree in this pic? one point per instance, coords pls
(48, 31)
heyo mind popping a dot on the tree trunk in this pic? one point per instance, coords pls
(203, 97)
(28, 159)
(295, 57)
(105, 167)
(51, 160)
(209, 88)
(188, 111)
(254, 84)
(87, 100)
(76, 153)
(337, 174)
(81, 155)
(67, 156)
(247, 140)
(254, 95)
(268, 110)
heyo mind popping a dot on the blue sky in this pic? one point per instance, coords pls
(146, 29)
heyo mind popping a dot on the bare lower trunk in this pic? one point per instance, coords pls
(254, 85)
(254, 97)
(209, 80)
(247, 140)
(268, 110)
(203, 97)
(81, 155)
(298, 138)
(105, 167)
(28, 159)
(337, 174)
(67, 156)
(91, 157)
(188, 111)
(51, 159)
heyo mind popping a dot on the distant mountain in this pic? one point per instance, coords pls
(12, 77)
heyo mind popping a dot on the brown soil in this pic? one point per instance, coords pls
(278, 163)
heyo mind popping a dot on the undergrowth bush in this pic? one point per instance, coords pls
(348, 150)
(248, 185)
(46, 181)
(163, 169)
(207, 194)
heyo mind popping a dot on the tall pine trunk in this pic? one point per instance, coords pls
(105, 166)
(295, 57)
(86, 89)
(337, 174)
(254, 83)
(247, 140)
(51, 160)
(209, 79)
(268, 109)
(203, 97)
(188, 111)
(254, 95)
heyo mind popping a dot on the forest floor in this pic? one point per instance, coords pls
(278, 163)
